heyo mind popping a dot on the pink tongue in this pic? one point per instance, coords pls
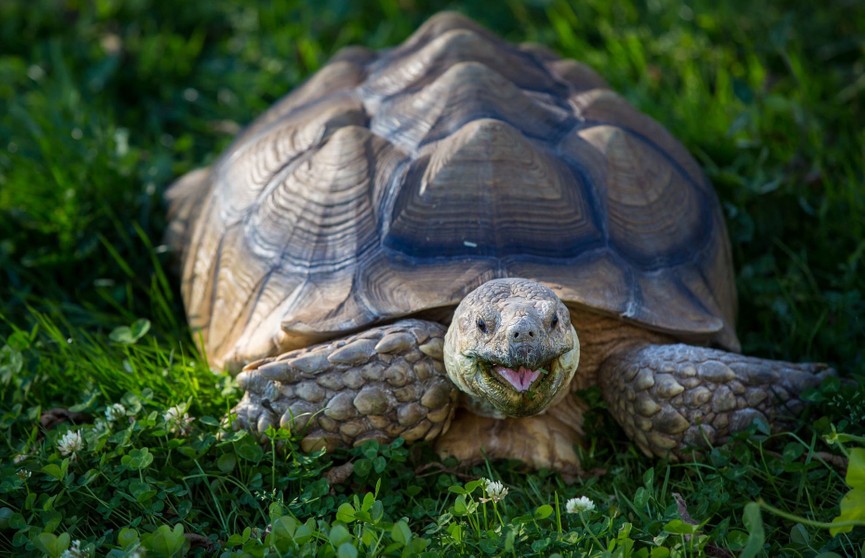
(521, 379)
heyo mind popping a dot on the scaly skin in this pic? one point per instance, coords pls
(671, 397)
(382, 383)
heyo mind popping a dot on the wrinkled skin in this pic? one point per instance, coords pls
(511, 348)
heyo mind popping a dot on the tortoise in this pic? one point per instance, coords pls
(448, 240)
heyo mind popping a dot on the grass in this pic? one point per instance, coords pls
(103, 103)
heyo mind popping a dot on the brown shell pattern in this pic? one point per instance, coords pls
(397, 181)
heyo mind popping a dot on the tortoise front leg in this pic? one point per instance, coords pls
(382, 383)
(669, 397)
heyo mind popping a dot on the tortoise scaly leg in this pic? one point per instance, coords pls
(382, 383)
(669, 397)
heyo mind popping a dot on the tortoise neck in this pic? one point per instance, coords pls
(601, 336)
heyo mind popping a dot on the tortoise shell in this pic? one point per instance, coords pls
(395, 182)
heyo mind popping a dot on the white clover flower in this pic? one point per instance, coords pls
(495, 490)
(101, 425)
(20, 458)
(74, 551)
(579, 505)
(177, 419)
(24, 474)
(115, 412)
(70, 443)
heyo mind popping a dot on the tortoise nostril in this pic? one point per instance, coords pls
(524, 334)
(524, 331)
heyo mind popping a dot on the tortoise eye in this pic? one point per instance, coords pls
(555, 321)
(482, 325)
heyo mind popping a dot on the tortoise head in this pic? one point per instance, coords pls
(511, 348)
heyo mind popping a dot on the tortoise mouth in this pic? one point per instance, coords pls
(520, 379)
(518, 391)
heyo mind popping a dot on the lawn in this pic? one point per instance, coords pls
(112, 440)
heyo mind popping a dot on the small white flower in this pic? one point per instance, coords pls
(70, 443)
(177, 419)
(176, 414)
(20, 458)
(579, 505)
(74, 551)
(24, 474)
(115, 412)
(495, 490)
(101, 425)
